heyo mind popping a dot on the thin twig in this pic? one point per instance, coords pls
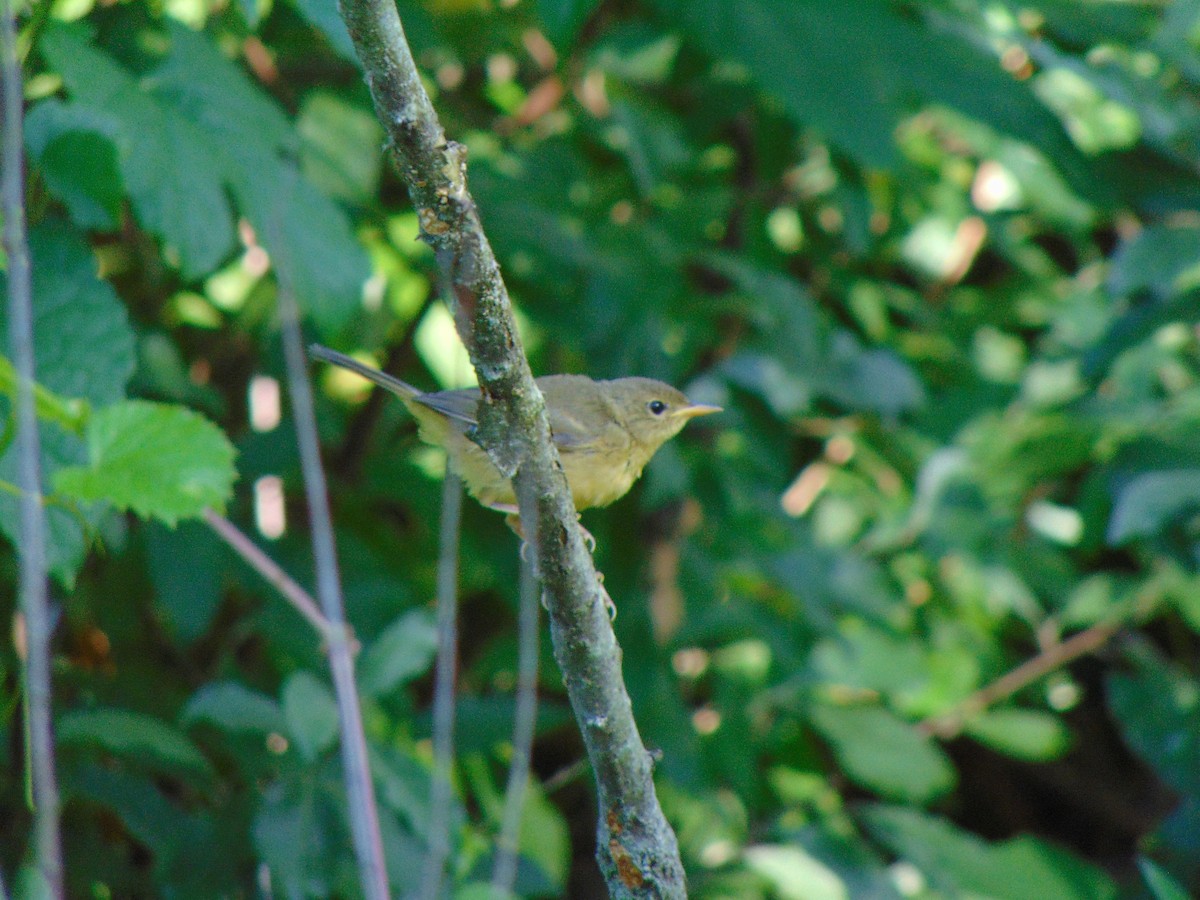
(364, 816)
(443, 688)
(636, 848)
(301, 599)
(31, 549)
(1048, 660)
(504, 873)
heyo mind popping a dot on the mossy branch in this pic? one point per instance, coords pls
(637, 849)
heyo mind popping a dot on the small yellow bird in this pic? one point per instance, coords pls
(605, 431)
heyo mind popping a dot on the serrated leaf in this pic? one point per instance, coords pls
(311, 714)
(403, 651)
(163, 462)
(1152, 500)
(83, 351)
(131, 735)
(170, 164)
(233, 707)
(1021, 733)
(194, 131)
(883, 753)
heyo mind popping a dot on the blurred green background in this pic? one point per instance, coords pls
(939, 261)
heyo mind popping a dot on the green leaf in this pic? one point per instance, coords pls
(171, 164)
(1150, 501)
(402, 652)
(1158, 710)
(311, 714)
(561, 19)
(83, 349)
(1162, 885)
(341, 150)
(197, 130)
(1021, 733)
(163, 462)
(793, 874)
(958, 864)
(67, 414)
(323, 15)
(284, 831)
(75, 152)
(544, 837)
(186, 565)
(1164, 259)
(133, 736)
(884, 754)
(403, 786)
(233, 707)
(854, 71)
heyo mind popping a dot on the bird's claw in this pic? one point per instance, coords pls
(609, 606)
(589, 540)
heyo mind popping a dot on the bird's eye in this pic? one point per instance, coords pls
(657, 407)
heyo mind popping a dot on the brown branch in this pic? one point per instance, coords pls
(637, 850)
(948, 725)
(301, 600)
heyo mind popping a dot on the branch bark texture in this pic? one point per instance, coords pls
(637, 850)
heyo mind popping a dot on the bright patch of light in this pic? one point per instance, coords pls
(269, 515)
(265, 410)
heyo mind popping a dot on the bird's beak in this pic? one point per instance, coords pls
(697, 409)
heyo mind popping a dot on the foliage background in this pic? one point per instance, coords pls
(939, 262)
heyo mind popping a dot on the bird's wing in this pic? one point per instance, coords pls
(458, 406)
(577, 410)
(568, 432)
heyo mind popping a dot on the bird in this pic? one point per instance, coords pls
(605, 431)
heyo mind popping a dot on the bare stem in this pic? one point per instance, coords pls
(636, 848)
(269, 570)
(443, 690)
(504, 874)
(1051, 658)
(364, 816)
(31, 549)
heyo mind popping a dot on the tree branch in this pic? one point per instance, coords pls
(31, 549)
(250, 553)
(637, 850)
(362, 811)
(1055, 656)
(443, 687)
(504, 872)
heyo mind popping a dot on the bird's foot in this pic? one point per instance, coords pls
(589, 539)
(609, 606)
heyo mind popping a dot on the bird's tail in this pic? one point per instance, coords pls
(383, 379)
